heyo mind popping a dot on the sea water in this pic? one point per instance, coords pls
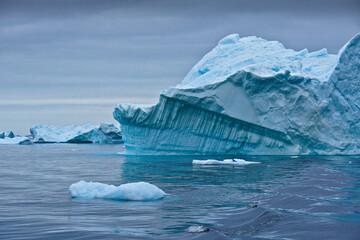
(282, 198)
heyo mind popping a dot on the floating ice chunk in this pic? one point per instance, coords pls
(225, 161)
(140, 191)
(197, 229)
(15, 140)
(8, 138)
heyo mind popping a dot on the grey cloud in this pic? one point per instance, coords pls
(133, 49)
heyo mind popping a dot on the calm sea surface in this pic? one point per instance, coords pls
(281, 198)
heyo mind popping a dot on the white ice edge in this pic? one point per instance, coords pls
(224, 162)
(138, 191)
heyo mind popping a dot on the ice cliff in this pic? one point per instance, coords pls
(253, 96)
(105, 133)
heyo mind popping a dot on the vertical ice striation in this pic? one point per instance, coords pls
(176, 127)
(252, 96)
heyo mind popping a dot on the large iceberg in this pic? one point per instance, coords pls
(105, 133)
(253, 96)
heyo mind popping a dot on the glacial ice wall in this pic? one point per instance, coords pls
(252, 96)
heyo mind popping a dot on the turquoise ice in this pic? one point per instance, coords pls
(253, 96)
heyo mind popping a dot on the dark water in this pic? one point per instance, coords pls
(282, 198)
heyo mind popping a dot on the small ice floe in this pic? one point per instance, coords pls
(197, 229)
(294, 156)
(224, 162)
(139, 191)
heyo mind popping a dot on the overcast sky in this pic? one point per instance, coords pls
(69, 62)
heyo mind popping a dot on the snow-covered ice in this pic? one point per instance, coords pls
(104, 133)
(253, 96)
(139, 191)
(8, 138)
(224, 162)
(15, 140)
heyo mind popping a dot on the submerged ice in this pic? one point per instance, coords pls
(253, 96)
(140, 191)
(105, 133)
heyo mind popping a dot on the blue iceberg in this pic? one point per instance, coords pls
(253, 96)
(9, 138)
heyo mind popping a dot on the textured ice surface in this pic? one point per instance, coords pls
(140, 191)
(105, 133)
(15, 140)
(7, 134)
(253, 96)
(224, 162)
(8, 137)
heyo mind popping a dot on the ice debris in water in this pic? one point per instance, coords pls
(225, 162)
(253, 96)
(197, 229)
(139, 191)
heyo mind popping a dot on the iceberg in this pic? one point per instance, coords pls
(224, 162)
(253, 96)
(105, 133)
(15, 140)
(8, 138)
(139, 191)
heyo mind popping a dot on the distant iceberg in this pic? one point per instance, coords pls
(8, 138)
(105, 133)
(15, 140)
(224, 162)
(253, 96)
(140, 191)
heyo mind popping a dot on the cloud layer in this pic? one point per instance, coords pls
(130, 50)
